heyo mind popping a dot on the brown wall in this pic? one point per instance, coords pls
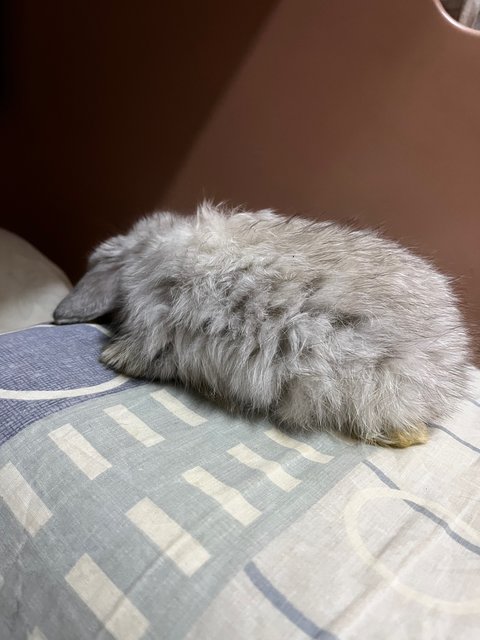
(104, 100)
(365, 110)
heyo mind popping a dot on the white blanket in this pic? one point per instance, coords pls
(30, 285)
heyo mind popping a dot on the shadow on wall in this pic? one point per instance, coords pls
(105, 99)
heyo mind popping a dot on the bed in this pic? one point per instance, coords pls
(134, 511)
(140, 511)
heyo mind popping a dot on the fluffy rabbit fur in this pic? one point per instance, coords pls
(314, 324)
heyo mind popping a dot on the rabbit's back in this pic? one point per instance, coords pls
(319, 325)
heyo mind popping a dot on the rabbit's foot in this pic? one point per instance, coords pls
(404, 437)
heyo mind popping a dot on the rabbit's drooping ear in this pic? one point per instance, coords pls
(94, 296)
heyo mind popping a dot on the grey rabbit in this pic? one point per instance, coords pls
(313, 324)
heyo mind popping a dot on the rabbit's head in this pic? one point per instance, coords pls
(96, 294)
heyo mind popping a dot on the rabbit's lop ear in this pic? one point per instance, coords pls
(94, 296)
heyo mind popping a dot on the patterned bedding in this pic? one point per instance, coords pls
(137, 511)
